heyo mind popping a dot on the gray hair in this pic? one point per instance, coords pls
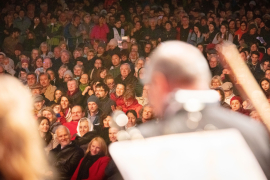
(79, 66)
(65, 51)
(140, 58)
(179, 62)
(62, 127)
(126, 64)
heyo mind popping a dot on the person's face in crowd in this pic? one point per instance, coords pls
(223, 29)
(123, 57)
(90, 55)
(252, 31)
(47, 63)
(116, 60)
(35, 92)
(196, 29)
(215, 83)
(253, 47)
(118, 24)
(147, 113)
(44, 126)
(103, 74)
(76, 54)
(72, 86)
(266, 65)
(133, 56)
(203, 22)
(64, 58)
(106, 121)
(6, 62)
(131, 120)
(30, 36)
(232, 25)
(147, 48)
(34, 54)
(76, 113)
(21, 14)
(101, 20)
(138, 26)
(44, 80)
(235, 105)
(129, 101)
(31, 80)
(95, 148)
(113, 134)
(1, 58)
(64, 103)
(134, 48)
(243, 56)
(110, 83)
(200, 47)
(250, 15)
(120, 89)
(44, 48)
(124, 70)
(25, 65)
(77, 71)
(77, 20)
(100, 92)
(227, 93)
(48, 115)
(51, 73)
(213, 62)
(58, 94)
(92, 107)
(84, 79)
(38, 105)
(122, 18)
(254, 58)
(87, 19)
(265, 85)
(63, 47)
(61, 72)
(100, 50)
(57, 109)
(16, 35)
(185, 21)
(79, 63)
(63, 137)
(23, 74)
(98, 64)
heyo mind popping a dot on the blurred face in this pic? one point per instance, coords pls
(235, 105)
(100, 50)
(67, 77)
(243, 27)
(266, 65)
(98, 64)
(83, 128)
(223, 29)
(168, 27)
(100, 93)
(51, 73)
(44, 48)
(215, 83)
(147, 113)
(58, 94)
(267, 74)
(47, 63)
(103, 74)
(35, 92)
(57, 109)
(25, 65)
(64, 58)
(76, 54)
(265, 85)
(200, 47)
(243, 56)
(185, 22)
(76, 113)
(213, 62)
(95, 148)
(84, 79)
(92, 107)
(120, 89)
(39, 63)
(110, 83)
(64, 103)
(253, 47)
(113, 134)
(131, 120)
(31, 80)
(140, 64)
(211, 27)
(116, 60)
(44, 81)
(44, 126)
(72, 86)
(124, 70)
(48, 115)
(252, 31)
(63, 137)
(77, 71)
(147, 48)
(90, 55)
(118, 24)
(38, 105)
(106, 121)
(254, 58)
(228, 93)
(57, 52)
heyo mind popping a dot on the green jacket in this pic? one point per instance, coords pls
(54, 32)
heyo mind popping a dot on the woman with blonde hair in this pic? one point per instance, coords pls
(96, 159)
(216, 82)
(21, 153)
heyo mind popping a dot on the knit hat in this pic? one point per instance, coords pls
(227, 86)
(25, 61)
(102, 44)
(19, 47)
(69, 73)
(113, 42)
(93, 99)
(38, 98)
(236, 98)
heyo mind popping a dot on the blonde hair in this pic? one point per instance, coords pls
(49, 109)
(21, 150)
(103, 146)
(214, 78)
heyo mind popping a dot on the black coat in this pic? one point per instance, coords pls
(103, 132)
(85, 140)
(76, 99)
(254, 133)
(130, 79)
(216, 71)
(66, 160)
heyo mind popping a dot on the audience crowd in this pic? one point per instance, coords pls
(84, 59)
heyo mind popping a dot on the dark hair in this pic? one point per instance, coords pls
(255, 52)
(104, 86)
(16, 30)
(132, 112)
(267, 92)
(67, 99)
(220, 90)
(102, 117)
(48, 136)
(124, 52)
(31, 73)
(45, 74)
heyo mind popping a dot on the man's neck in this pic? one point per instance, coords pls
(185, 26)
(93, 113)
(254, 63)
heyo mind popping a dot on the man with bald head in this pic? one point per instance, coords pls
(178, 75)
(66, 156)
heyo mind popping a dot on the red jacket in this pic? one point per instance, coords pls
(96, 171)
(118, 100)
(99, 32)
(135, 106)
(72, 126)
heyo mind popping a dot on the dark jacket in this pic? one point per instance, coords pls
(130, 79)
(216, 70)
(66, 160)
(168, 35)
(256, 71)
(103, 132)
(76, 99)
(105, 105)
(85, 139)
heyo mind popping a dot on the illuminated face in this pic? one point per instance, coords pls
(100, 92)
(147, 113)
(124, 70)
(84, 79)
(58, 94)
(64, 103)
(31, 80)
(235, 105)
(95, 148)
(131, 120)
(120, 89)
(83, 128)
(113, 134)
(106, 121)
(110, 83)
(48, 115)
(213, 62)
(44, 80)
(72, 86)
(44, 126)
(92, 107)
(265, 85)
(63, 137)
(215, 83)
